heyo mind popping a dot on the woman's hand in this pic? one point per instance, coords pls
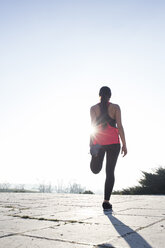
(124, 150)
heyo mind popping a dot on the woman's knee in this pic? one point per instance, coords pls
(95, 171)
(95, 167)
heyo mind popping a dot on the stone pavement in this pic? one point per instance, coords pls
(64, 220)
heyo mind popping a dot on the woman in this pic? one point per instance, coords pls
(106, 121)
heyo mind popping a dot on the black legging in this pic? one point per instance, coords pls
(112, 152)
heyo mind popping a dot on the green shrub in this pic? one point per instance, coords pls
(151, 183)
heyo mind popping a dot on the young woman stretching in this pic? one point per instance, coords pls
(106, 121)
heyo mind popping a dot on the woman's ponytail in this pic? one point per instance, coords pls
(105, 94)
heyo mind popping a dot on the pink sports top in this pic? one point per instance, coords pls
(106, 131)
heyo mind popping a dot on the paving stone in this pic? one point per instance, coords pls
(79, 214)
(155, 234)
(85, 233)
(143, 212)
(31, 242)
(17, 225)
(128, 220)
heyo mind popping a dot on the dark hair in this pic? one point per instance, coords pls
(105, 94)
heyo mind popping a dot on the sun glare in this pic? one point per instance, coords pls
(93, 130)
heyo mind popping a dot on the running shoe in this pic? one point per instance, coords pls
(107, 206)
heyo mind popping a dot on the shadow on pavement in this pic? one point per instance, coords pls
(133, 239)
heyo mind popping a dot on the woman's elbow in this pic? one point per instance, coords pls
(120, 127)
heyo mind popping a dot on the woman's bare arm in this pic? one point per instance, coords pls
(121, 129)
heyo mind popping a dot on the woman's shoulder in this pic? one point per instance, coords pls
(114, 106)
(94, 107)
(113, 109)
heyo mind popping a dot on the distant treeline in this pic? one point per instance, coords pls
(150, 184)
(72, 188)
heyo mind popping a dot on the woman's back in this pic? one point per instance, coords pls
(106, 132)
(111, 110)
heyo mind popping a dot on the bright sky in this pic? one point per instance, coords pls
(54, 57)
